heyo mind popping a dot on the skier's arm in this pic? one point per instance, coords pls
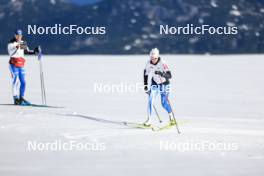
(166, 74)
(23, 45)
(29, 51)
(12, 48)
(145, 80)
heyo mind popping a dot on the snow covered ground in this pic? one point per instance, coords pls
(218, 102)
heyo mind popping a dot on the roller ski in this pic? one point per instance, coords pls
(145, 125)
(166, 127)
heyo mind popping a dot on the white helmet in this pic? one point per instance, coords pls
(154, 53)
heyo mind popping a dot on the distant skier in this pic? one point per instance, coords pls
(156, 81)
(16, 49)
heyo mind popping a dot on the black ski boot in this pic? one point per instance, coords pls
(16, 101)
(24, 102)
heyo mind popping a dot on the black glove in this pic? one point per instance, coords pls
(36, 50)
(146, 89)
(159, 73)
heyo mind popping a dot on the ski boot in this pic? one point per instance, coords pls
(172, 119)
(172, 122)
(147, 124)
(24, 102)
(16, 100)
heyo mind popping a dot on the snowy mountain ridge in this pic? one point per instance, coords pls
(133, 25)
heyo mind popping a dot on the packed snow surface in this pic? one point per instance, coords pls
(218, 102)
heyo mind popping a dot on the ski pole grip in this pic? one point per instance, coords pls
(39, 49)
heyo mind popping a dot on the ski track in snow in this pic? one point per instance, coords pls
(114, 133)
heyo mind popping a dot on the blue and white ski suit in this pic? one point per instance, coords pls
(157, 84)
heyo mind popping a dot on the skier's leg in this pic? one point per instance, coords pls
(22, 80)
(15, 83)
(164, 99)
(164, 94)
(152, 96)
(150, 102)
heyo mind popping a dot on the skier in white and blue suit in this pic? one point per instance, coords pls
(16, 49)
(156, 81)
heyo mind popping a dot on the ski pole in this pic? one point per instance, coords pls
(167, 98)
(157, 113)
(43, 92)
(43, 86)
